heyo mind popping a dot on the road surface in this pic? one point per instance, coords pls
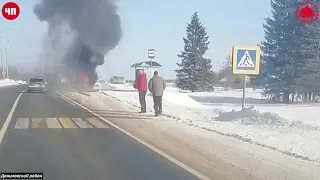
(45, 133)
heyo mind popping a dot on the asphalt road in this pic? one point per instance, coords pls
(50, 135)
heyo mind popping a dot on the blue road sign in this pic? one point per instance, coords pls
(246, 60)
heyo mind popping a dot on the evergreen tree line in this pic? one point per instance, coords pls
(290, 66)
(290, 60)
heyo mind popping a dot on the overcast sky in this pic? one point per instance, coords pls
(158, 24)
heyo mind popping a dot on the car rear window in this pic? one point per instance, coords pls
(36, 80)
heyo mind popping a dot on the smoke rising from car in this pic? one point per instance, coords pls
(82, 32)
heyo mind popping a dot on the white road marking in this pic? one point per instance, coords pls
(53, 123)
(165, 155)
(67, 100)
(8, 119)
(67, 123)
(97, 123)
(81, 123)
(22, 123)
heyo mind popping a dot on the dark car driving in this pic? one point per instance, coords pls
(37, 85)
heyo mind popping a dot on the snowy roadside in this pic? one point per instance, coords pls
(9, 82)
(292, 137)
(219, 157)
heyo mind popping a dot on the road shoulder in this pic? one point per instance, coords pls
(216, 156)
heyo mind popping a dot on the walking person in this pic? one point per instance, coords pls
(142, 89)
(156, 86)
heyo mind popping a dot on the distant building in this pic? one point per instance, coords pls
(233, 81)
(117, 80)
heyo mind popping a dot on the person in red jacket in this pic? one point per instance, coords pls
(142, 88)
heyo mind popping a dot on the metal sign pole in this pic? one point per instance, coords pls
(244, 92)
(245, 61)
(151, 56)
(5, 54)
(2, 63)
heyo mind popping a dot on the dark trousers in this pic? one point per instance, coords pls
(142, 99)
(157, 104)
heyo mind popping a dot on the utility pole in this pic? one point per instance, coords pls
(2, 63)
(1, 54)
(6, 59)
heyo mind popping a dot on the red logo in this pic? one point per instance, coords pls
(10, 11)
(307, 12)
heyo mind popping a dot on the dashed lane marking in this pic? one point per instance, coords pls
(97, 123)
(59, 123)
(67, 123)
(38, 123)
(81, 123)
(22, 123)
(53, 123)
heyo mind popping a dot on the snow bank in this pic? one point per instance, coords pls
(180, 99)
(169, 95)
(306, 113)
(227, 101)
(293, 138)
(263, 124)
(101, 85)
(177, 109)
(121, 87)
(8, 82)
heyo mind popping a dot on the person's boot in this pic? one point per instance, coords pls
(143, 110)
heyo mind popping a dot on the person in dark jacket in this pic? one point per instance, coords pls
(142, 88)
(156, 86)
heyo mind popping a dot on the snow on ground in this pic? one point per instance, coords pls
(9, 82)
(227, 101)
(290, 129)
(116, 87)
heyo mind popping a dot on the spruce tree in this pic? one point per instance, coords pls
(195, 72)
(310, 55)
(281, 60)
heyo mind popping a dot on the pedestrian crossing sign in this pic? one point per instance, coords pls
(246, 60)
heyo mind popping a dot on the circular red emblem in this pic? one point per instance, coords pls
(307, 12)
(10, 11)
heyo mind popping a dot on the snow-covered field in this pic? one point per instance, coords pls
(9, 82)
(290, 129)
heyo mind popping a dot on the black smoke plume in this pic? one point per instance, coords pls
(94, 26)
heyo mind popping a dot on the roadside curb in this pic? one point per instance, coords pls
(83, 93)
